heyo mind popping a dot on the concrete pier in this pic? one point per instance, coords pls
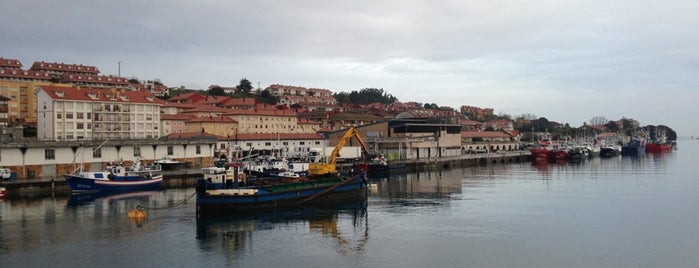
(183, 178)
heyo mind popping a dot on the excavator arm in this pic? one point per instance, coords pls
(329, 167)
(352, 132)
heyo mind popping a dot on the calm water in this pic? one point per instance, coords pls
(620, 212)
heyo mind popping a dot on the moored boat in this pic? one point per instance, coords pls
(634, 148)
(608, 151)
(539, 153)
(117, 178)
(3, 191)
(376, 167)
(168, 163)
(656, 147)
(222, 191)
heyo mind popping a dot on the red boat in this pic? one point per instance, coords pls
(539, 153)
(558, 154)
(655, 147)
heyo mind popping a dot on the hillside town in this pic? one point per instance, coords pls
(51, 111)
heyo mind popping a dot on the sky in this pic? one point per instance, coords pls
(567, 61)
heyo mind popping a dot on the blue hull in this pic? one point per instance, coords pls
(207, 204)
(87, 185)
(632, 150)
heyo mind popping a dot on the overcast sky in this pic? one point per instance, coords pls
(568, 61)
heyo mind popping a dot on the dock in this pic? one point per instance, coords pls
(186, 177)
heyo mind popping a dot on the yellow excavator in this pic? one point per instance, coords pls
(319, 169)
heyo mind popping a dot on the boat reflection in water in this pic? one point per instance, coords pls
(346, 225)
(89, 198)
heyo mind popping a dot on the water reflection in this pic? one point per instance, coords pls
(91, 198)
(346, 225)
(418, 189)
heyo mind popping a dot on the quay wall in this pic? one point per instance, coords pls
(52, 186)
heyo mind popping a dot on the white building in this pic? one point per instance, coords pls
(75, 113)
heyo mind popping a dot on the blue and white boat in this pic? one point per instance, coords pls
(225, 191)
(116, 179)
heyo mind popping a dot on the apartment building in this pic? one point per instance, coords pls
(75, 113)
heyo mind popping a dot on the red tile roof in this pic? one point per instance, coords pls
(99, 95)
(191, 136)
(267, 112)
(483, 134)
(96, 79)
(180, 117)
(63, 67)
(29, 74)
(212, 119)
(10, 63)
(280, 136)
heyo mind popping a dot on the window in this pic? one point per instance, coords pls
(285, 143)
(59, 115)
(80, 115)
(198, 149)
(97, 153)
(49, 154)
(69, 115)
(169, 150)
(268, 144)
(302, 143)
(136, 151)
(80, 126)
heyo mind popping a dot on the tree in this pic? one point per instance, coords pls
(612, 126)
(431, 106)
(244, 86)
(217, 91)
(541, 125)
(598, 120)
(365, 96)
(267, 97)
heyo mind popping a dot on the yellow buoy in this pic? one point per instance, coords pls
(137, 213)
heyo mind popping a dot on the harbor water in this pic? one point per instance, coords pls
(616, 212)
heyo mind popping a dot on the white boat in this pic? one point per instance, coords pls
(3, 191)
(287, 174)
(116, 178)
(168, 163)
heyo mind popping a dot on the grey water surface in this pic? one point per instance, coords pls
(617, 212)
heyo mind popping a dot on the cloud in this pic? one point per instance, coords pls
(540, 57)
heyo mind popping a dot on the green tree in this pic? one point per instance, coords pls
(365, 96)
(216, 91)
(244, 86)
(267, 97)
(612, 126)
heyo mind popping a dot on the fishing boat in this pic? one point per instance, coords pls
(228, 190)
(656, 147)
(168, 163)
(542, 150)
(539, 153)
(375, 168)
(116, 178)
(608, 151)
(634, 147)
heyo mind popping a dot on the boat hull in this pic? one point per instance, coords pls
(213, 204)
(80, 184)
(539, 153)
(658, 147)
(632, 150)
(608, 152)
(169, 166)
